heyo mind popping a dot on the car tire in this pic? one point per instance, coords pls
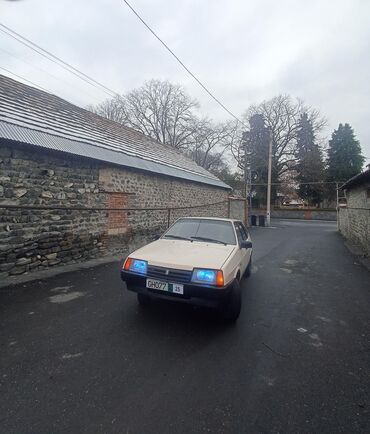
(248, 270)
(143, 299)
(231, 311)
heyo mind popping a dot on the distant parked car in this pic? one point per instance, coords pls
(294, 204)
(197, 260)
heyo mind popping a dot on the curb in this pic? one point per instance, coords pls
(51, 272)
(358, 253)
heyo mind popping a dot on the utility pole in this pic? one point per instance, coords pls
(247, 175)
(337, 186)
(268, 216)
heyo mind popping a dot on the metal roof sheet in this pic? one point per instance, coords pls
(356, 180)
(43, 140)
(37, 118)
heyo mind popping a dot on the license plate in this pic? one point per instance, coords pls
(165, 286)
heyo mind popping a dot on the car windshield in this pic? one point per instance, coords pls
(217, 231)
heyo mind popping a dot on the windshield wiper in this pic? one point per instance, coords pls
(177, 237)
(211, 240)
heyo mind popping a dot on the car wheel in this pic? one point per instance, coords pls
(143, 299)
(248, 270)
(231, 311)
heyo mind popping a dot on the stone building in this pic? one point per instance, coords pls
(66, 173)
(354, 219)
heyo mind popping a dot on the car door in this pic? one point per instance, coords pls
(248, 238)
(245, 254)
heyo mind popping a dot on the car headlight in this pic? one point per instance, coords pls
(136, 266)
(209, 277)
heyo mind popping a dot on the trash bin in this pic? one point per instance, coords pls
(253, 220)
(261, 220)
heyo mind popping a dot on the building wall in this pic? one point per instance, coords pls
(354, 221)
(147, 191)
(33, 239)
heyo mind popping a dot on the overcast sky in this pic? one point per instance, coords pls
(245, 51)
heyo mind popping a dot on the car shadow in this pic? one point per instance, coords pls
(175, 319)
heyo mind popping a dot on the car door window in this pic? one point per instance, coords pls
(244, 231)
(240, 233)
(244, 254)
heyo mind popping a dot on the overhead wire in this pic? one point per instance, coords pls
(297, 183)
(24, 79)
(48, 73)
(53, 58)
(182, 64)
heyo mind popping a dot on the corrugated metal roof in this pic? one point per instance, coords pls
(37, 138)
(356, 180)
(31, 116)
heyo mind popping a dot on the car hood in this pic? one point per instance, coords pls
(183, 254)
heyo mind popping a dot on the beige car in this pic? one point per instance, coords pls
(197, 260)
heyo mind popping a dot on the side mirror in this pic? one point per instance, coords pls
(246, 245)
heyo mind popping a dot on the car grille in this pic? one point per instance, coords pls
(169, 274)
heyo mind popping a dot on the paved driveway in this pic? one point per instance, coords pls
(77, 354)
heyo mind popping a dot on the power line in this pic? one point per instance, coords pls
(298, 183)
(47, 72)
(42, 54)
(183, 65)
(50, 56)
(25, 79)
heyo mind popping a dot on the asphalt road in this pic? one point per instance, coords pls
(77, 354)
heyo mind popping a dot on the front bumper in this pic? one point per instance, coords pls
(193, 293)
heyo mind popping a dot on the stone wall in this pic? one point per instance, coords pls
(150, 191)
(33, 239)
(237, 209)
(147, 191)
(354, 221)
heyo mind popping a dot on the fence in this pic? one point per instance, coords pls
(232, 208)
(36, 236)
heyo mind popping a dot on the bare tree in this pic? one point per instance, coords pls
(209, 143)
(281, 115)
(161, 110)
(158, 109)
(111, 108)
(165, 112)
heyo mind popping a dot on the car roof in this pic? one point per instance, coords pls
(210, 218)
